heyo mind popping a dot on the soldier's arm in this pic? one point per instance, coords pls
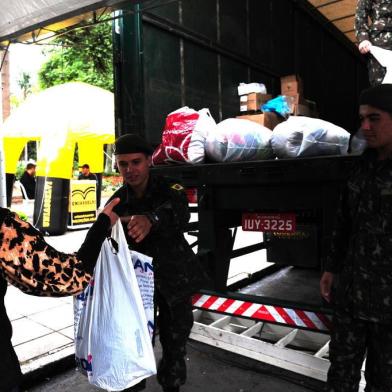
(173, 214)
(339, 239)
(361, 25)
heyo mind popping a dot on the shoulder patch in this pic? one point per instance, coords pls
(177, 187)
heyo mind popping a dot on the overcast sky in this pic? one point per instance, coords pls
(24, 58)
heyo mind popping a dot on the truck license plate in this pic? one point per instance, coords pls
(281, 223)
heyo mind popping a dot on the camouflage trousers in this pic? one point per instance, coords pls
(351, 340)
(175, 324)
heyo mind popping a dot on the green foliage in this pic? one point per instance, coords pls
(20, 168)
(15, 101)
(83, 55)
(24, 82)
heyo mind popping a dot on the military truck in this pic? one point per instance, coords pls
(195, 53)
(168, 54)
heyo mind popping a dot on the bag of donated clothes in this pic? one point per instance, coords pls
(184, 136)
(112, 341)
(239, 140)
(302, 136)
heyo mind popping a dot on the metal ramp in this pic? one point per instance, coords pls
(297, 350)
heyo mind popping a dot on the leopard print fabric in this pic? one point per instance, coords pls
(35, 267)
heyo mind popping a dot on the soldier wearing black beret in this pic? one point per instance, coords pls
(154, 213)
(361, 257)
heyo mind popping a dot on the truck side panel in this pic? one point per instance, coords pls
(195, 53)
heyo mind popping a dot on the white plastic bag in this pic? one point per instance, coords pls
(112, 344)
(239, 140)
(145, 279)
(247, 88)
(358, 143)
(384, 57)
(302, 136)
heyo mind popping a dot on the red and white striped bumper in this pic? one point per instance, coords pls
(268, 313)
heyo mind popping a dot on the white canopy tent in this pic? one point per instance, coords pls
(19, 16)
(38, 17)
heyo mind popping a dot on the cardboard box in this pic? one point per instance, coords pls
(305, 110)
(253, 101)
(293, 101)
(268, 119)
(291, 84)
(246, 88)
(302, 110)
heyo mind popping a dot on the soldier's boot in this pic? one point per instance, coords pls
(171, 389)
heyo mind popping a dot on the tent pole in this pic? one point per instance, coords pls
(3, 189)
(3, 193)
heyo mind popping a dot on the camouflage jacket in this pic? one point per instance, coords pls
(361, 248)
(379, 30)
(177, 271)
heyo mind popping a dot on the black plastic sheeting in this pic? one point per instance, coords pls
(196, 52)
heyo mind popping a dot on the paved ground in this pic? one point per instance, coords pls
(209, 369)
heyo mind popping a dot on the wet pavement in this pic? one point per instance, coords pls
(209, 370)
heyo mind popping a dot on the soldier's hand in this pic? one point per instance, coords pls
(138, 227)
(108, 210)
(364, 46)
(326, 285)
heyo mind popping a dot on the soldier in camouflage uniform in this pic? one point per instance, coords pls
(378, 33)
(154, 213)
(361, 258)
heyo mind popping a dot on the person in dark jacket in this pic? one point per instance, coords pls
(361, 258)
(28, 180)
(154, 213)
(373, 26)
(86, 173)
(29, 263)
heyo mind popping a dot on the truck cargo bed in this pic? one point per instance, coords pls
(290, 284)
(307, 187)
(308, 169)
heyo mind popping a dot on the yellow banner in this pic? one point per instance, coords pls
(83, 202)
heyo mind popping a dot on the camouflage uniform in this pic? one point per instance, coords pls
(379, 32)
(177, 270)
(361, 256)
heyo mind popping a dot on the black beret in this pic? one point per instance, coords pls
(130, 144)
(379, 97)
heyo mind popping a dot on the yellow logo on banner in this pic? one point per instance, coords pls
(83, 202)
(83, 198)
(47, 203)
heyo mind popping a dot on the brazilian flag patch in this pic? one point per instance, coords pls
(177, 187)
